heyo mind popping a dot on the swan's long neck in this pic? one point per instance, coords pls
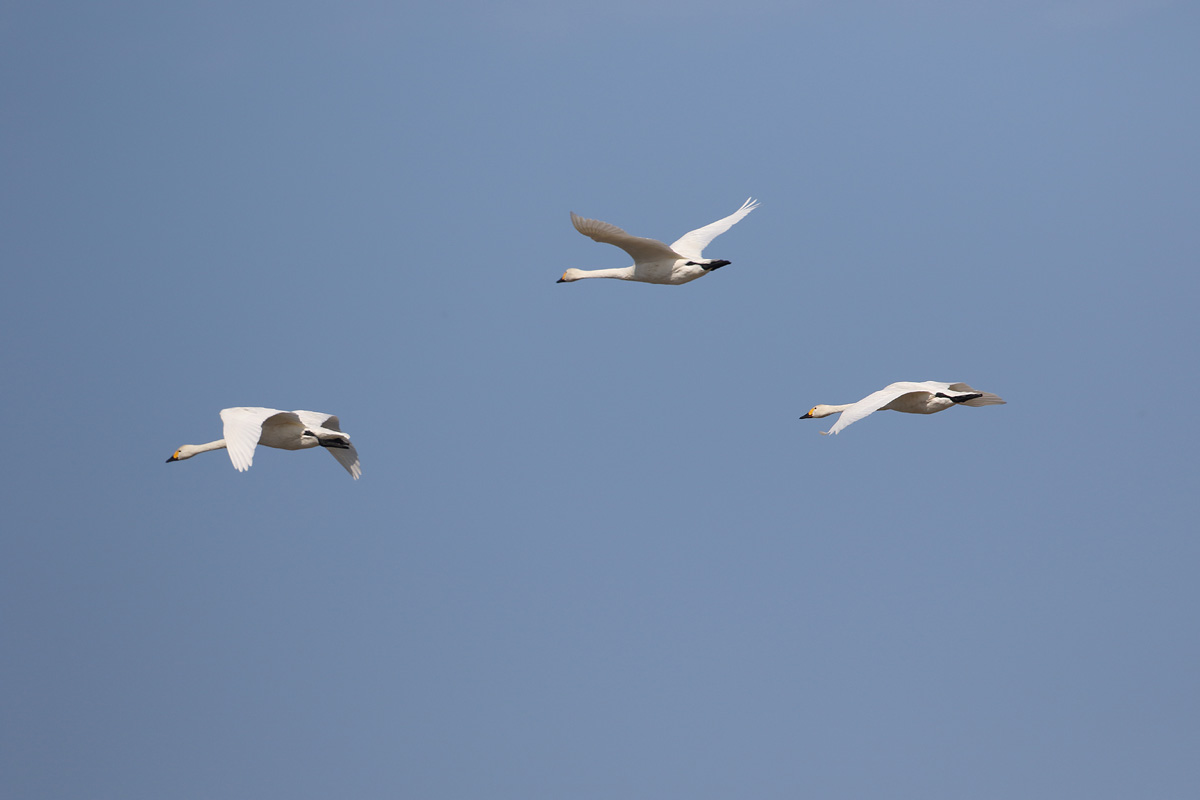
(823, 410)
(623, 273)
(189, 450)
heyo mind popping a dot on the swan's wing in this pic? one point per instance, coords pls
(692, 244)
(642, 250)
(243, 428)
(317, 419)
(875, 401)
(988, 398)
(347, 457)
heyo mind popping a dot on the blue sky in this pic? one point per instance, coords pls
(594, 552)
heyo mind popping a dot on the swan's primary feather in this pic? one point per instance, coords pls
(691, 245)
(640, 249)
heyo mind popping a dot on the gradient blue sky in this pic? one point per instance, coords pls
(594, 553)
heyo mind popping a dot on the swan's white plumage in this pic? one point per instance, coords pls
(347, 457)
(653, 261)
(910, 397)
(692, 244)
(639, 248)
(243, 429)
(246, 427)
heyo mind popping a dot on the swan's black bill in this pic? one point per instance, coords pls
(561, 280)
(807, 416)
(172, 458)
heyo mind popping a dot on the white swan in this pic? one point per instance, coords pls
(288, 430)
(911, 397)
(653, 261)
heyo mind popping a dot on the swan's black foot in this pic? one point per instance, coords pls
(710, 265)
(962, 398)
(329, 441)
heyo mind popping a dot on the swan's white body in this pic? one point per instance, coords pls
(911, 397)
(247, 427)
(653, 261)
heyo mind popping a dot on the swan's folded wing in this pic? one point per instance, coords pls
(692, 244)
(873, 402)
(988, 399)
(641, 250)
(348, 458)
(243, 428)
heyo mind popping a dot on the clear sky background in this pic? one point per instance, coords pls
(594, 552)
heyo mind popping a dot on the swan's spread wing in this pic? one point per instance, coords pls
(988, 398)
(316, 419)
(348, 458)
(243, 428)
(877, 400)
(692, 244)
(641, 250)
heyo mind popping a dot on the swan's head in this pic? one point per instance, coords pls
(570, 275)
(818, 411)
(183, 453)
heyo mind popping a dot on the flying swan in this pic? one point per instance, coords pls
(911, 397)
(247, 427)
(653, 261)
